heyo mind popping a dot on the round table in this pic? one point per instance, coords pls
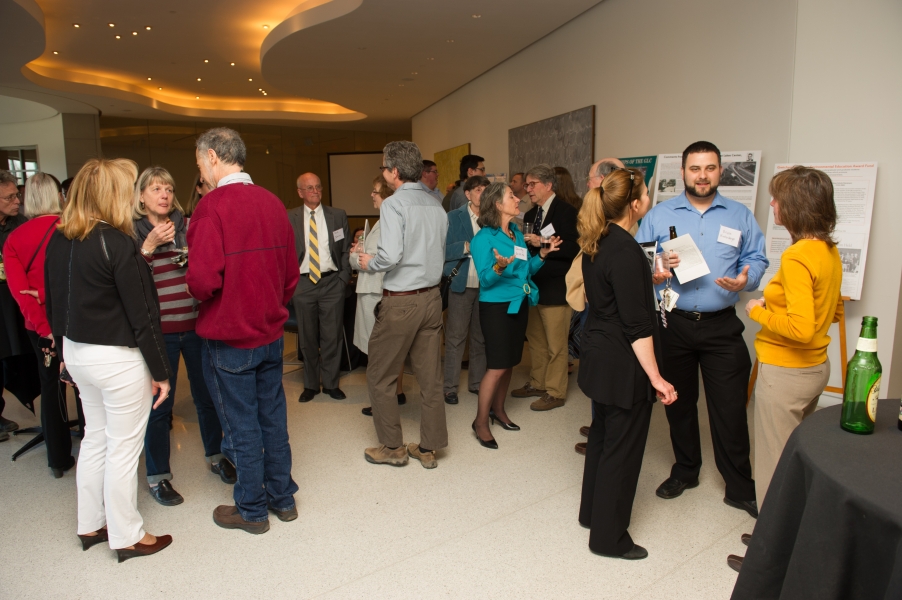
(831, 524)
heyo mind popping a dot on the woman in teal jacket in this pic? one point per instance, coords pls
(506, 291)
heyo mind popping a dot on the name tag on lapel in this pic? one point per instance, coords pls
(338, 235)
(548, 230)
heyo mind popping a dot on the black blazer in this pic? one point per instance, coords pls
(100, 291)
(550, 278)
(336, 218)
(621, 305)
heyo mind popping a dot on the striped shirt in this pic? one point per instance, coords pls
(178, 310)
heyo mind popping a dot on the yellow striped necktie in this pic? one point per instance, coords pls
(315, 274)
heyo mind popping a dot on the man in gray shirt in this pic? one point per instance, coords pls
(411, 253)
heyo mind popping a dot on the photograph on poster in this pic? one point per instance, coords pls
(645, 165)
(739, 180)
(853, 194)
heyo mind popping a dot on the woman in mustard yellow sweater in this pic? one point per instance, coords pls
(799, 304)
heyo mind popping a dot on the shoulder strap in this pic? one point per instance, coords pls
(44, 239)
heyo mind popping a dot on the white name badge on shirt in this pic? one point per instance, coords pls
(338, 235)
(522, 215)
(520, 252)
(548, 230)
(729, 236)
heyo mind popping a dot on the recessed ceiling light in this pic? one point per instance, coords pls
(76, 25)
(400, 85)
(232, 64)
(198, 78)
(206, 61)
(430, 59)
(197, 97)
(149, 79)
(414, 73)
(450, 41)
(147, 28)
(477, 16)
(134, 33)
(249, 79)
(112, 24)
(118, 37)
(161, 89)
(266, 27)
(55, 52)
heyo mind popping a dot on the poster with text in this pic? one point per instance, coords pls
(739, 180)
(853, 194)
(646, 164)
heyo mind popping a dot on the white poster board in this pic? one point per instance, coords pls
(853, 194)
(351, 181)
(739, 181)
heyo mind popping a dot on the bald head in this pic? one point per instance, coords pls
(601, 169)
(310, 189)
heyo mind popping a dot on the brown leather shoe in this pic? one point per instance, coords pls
(746, 538)
(735, 562)
(228, 517)
(584, 431)
(581, 448)
(144, 549)
(427, 459)
(527, 391)
(382, 455)
(547, 402)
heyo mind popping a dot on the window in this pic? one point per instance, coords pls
(21, 162)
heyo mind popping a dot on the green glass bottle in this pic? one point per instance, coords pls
(859, 403)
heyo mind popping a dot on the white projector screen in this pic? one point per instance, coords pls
(351, 181)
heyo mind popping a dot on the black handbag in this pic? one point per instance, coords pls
(445, 288)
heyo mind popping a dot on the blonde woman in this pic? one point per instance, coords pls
(620, 352)
(103, 310)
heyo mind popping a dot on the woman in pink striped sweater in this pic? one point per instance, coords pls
(161, 229)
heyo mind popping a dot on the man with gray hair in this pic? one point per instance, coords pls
(243, 269)
(549, 322)
(411, 253)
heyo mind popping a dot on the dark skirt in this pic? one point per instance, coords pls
(504, 333)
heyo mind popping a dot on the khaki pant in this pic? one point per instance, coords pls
(408, 325)
(784, 397)
(547, 333)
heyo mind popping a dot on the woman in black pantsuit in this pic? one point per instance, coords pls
(618, 368)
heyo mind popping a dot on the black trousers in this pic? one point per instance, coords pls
(613, 460)
(320, 311)
(715, 345)
(54, 412)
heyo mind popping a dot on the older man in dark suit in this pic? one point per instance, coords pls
(322, 241)
(549, 322)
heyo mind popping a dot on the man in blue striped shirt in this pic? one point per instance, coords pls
(703, 329)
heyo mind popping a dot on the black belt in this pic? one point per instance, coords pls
(322, 275)
(701, 316)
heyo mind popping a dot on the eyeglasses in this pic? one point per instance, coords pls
(11, 197)
(311, 188)
(384, 169)
(532, 184)
(432, 171)
(480, 169)
(374, 192)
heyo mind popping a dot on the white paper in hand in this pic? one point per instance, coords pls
(730, 237)
(520, 252)
(692, 263)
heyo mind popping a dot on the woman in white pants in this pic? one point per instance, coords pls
(104, 313)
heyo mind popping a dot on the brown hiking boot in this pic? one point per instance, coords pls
(386, 456)
(426, 458)
(527, 391)
(547, 402)
(228, 517)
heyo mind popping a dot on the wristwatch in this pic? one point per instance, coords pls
(146, 253)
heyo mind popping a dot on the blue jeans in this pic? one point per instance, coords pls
(156, 440)
(246, 385)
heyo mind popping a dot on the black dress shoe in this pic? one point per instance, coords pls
(335, 393)
(674, 487)
(735, 562)
(491, 443)
(7, 425)
(307, 395)
(402, 399)
(508, 426)
(367, 410)
(225, 470)
(749, 506)
(451, 398)
(57, 473)
(88, 541)
(165, 495)
(637, 552)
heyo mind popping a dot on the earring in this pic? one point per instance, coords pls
(141, 203)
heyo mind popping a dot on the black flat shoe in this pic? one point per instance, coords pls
(92, 540)
(673, 487)
(367, 410)
(485, 444)
(335, 393)
(637, 552)
(144, 549)
(225, 470)
(402, 399)
(307, 395)
(508, 426)
(165, 495)
(749, 506)
(57, 473)
(451, 398)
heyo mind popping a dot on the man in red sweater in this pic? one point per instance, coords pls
(243, 270)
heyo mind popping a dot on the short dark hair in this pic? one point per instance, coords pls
(64, 186)
(699, 147)
(470, 161)
(404, 156)
(476, 181)
(805, 197)
(428, 163)
(520, 173)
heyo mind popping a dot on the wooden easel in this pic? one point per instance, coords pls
(842, 353)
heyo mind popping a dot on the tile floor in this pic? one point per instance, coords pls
(491, 523)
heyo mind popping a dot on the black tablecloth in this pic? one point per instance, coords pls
(831, 524)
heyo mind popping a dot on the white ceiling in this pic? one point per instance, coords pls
(366, 64)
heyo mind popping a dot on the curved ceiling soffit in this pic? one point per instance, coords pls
(213, 107)
(304, 16)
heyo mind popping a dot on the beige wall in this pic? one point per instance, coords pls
(47, 135)
(803, 81)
